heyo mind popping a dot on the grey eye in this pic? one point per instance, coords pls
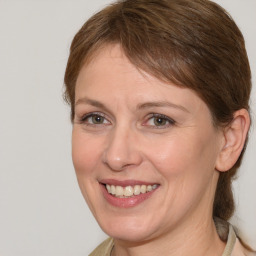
(97, 119)
(159, 121)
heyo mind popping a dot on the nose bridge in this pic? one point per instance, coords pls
(121, 150)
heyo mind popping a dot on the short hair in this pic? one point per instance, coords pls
(193, 44)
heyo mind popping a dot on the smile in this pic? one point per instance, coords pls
(129, 191)
(126, 194)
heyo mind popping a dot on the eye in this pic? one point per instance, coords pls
(159, 121)
(94, 119)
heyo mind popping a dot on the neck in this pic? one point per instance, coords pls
(200, 238)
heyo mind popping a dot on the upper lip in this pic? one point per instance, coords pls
(124, 183)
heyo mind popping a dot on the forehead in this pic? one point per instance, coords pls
(110, 77)
(102, 60)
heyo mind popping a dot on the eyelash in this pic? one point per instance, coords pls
(84, 120)
(164, 118)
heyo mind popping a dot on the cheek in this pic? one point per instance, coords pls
(184, 155)
(85, 153)
(86, 157)
(186, 165)
(171, 154)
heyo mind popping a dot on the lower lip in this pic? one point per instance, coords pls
(126, 202)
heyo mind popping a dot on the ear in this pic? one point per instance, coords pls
(234, 136)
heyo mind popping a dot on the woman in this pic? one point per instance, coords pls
(159, 95)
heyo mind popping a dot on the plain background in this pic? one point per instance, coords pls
(42, 212)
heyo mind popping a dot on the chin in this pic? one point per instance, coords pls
(131, 229)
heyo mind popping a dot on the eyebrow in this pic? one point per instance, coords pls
(91, 102)
(145, 105)
(161, 104)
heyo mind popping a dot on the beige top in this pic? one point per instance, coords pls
(225, 231)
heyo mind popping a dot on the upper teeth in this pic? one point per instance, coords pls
(127, 191)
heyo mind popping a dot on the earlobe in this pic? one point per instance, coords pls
(234, 135)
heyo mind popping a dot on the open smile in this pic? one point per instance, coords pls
(129, 191)
(126, 193)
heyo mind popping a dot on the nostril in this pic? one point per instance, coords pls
(121, 151)
(115, 164)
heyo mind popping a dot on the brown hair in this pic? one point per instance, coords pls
(194, 44)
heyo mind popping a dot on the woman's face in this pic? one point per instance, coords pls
(144, 151)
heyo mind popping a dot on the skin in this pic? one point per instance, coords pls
(181, 156)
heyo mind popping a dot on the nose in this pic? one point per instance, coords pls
(122, 149)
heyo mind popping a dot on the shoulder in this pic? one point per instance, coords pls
(233, 245)
(104, 249)
(240, 250)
